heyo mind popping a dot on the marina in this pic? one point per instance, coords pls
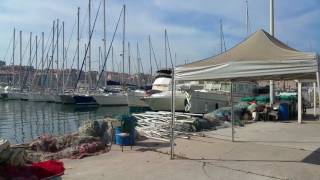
(95, 86)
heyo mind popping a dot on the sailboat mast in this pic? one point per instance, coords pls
(30, 57)
(42, 56)
(99, 59)
(57, 41)
(13, 52)
(52, 48)
(20, 64)
(63, 57)
(150, 59)
(78, 40)
(36, 54)
(123, 41)
(104, 39)
(89, 44)
(138, 61)
(129, 58)
(165, 47)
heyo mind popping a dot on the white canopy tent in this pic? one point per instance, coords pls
(259, 57)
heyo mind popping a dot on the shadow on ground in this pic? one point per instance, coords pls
(313, 158)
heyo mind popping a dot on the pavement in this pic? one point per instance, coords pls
(263, 150)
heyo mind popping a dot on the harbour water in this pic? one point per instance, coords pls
(22, 121)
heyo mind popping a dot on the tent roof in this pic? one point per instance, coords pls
(259, 55)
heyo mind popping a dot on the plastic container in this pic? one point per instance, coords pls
(124, 141)
(284, 111)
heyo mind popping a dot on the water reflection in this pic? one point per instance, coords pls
(22, 121)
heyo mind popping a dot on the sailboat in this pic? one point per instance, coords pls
(119, 97)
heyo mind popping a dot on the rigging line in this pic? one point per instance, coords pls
(106, 58)
(154, 56)
(168, 43)
(6, 53)
(91, 33)
(26, 74)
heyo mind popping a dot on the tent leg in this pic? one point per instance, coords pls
(299, 102)
(271, 89)
(232, 111)
(173, 96)
(318, 82)
(315, 99)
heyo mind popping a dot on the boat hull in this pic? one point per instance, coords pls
(135, 99)
(164, 103)
(84, 100)
(67, 99)
(111, 100)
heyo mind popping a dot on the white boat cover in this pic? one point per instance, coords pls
(260, 56)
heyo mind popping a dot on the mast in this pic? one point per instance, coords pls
(36, 58)
(13, 52)
(129, 58)
(57, 41)
(36, 52)
(165, 47)
(30, 58)
(63, 57)
(20, 64)
(52, 48)
(150, 59)
(89, 44)
(112, 60)
(138, 61)
(78, 40)
(123, 41)
(104, 40)
(99, 59)
(42, 56)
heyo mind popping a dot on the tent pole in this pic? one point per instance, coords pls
(299, 102)
(173, 96)
(318, 82)
(232, 111)
(315, 99)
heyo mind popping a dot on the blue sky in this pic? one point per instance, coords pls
(193, 25)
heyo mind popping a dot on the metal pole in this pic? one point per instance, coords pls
(99, 58)
(314, 99)
(299, 102)
(272, 17)
(247, 17)
(272, 34)
(173, 96)
(232, 111)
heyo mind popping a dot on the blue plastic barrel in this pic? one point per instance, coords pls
(124, 141)
(284, 111)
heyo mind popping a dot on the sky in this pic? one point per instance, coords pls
(193, 27)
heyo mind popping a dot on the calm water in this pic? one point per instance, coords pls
(22, 121)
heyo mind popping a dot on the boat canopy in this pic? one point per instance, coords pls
(259, 57)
